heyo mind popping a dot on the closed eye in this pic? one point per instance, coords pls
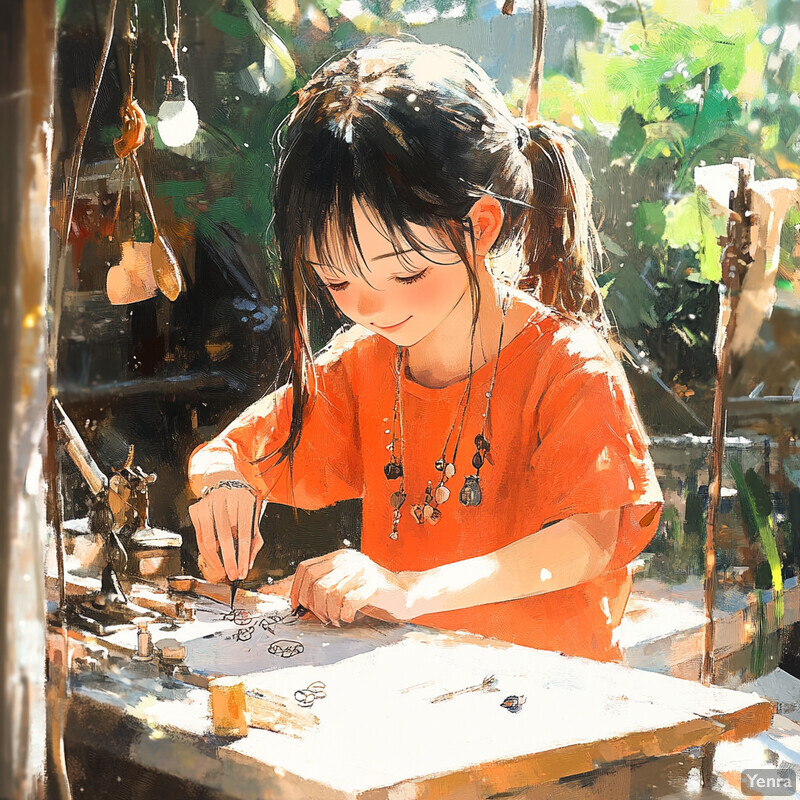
(413, 278)
(338, 287)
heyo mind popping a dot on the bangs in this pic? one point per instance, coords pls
(324, 175)
(334, 244)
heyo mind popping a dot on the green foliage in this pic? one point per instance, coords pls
(757, 511)
(649, 104)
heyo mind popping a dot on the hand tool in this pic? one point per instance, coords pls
(489, 684)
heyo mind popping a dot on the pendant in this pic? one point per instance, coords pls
(470, 494)
(393, 470)
(397, 499)
(441, 494)
(449, 470)
(395, 524)
(418, 514)
(431, 514)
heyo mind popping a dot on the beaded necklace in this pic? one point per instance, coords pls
(470, 494)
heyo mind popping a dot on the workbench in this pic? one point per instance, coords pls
(378, 733)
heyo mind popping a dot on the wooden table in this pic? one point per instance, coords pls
(379, 735)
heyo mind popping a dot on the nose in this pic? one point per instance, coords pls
(369, 303)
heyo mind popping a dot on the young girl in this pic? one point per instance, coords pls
(490, 433)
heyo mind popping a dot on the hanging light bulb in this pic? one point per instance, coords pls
(177, 117)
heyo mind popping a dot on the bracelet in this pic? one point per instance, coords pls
(230, 484)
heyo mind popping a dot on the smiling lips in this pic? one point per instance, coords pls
(393, 327)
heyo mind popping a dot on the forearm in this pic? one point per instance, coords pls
(565, 554)
(213, 463)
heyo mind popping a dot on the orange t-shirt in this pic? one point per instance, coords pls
(565, 439)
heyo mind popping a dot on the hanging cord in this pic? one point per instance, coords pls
(72, 188)
(173, 42)
(59, 678)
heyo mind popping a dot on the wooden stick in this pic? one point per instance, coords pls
(539, 23)
(735, 260)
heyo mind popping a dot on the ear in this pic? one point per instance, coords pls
(487, 219)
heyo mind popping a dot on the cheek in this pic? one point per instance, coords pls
(439, 291)
(346, 302)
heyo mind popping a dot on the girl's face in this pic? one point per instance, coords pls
(402, 297)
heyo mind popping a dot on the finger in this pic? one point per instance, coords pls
(199, 513)
(296, 584)
(256, 540)
(246, 512)
(224, 536)
(354, 601)
(308, 576)
(303, 580)
(255, 545)
(319, 600)
(208, 572)
(336, 597)
(327, 595)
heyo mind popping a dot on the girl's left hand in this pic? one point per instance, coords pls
(337, 585)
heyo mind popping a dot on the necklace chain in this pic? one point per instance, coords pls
(470, 494)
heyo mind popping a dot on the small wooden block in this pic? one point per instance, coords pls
(228, 707)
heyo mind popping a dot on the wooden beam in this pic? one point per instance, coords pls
(27, 39)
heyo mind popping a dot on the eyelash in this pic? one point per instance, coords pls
(340, 287)
(414, 278)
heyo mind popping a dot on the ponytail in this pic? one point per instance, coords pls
(561, 246)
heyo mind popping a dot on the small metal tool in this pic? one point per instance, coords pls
(234, 589)
(489, 684)
(144, 641)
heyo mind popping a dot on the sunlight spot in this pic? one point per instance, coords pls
(606, 609)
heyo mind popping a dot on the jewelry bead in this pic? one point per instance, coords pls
(416, 512)
(481, 442)
(477, 460)
(450, 470)
(470, 494)
(441, 494)
(397, 499)
(393, 470)
(432, 514)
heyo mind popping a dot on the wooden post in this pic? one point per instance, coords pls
(735, 259)
(27, 38)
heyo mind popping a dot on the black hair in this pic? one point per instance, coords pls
(417, 133)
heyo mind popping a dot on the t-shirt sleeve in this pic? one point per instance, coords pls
(326, 466)
(592, 452)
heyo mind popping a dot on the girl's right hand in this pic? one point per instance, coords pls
(226, 523)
